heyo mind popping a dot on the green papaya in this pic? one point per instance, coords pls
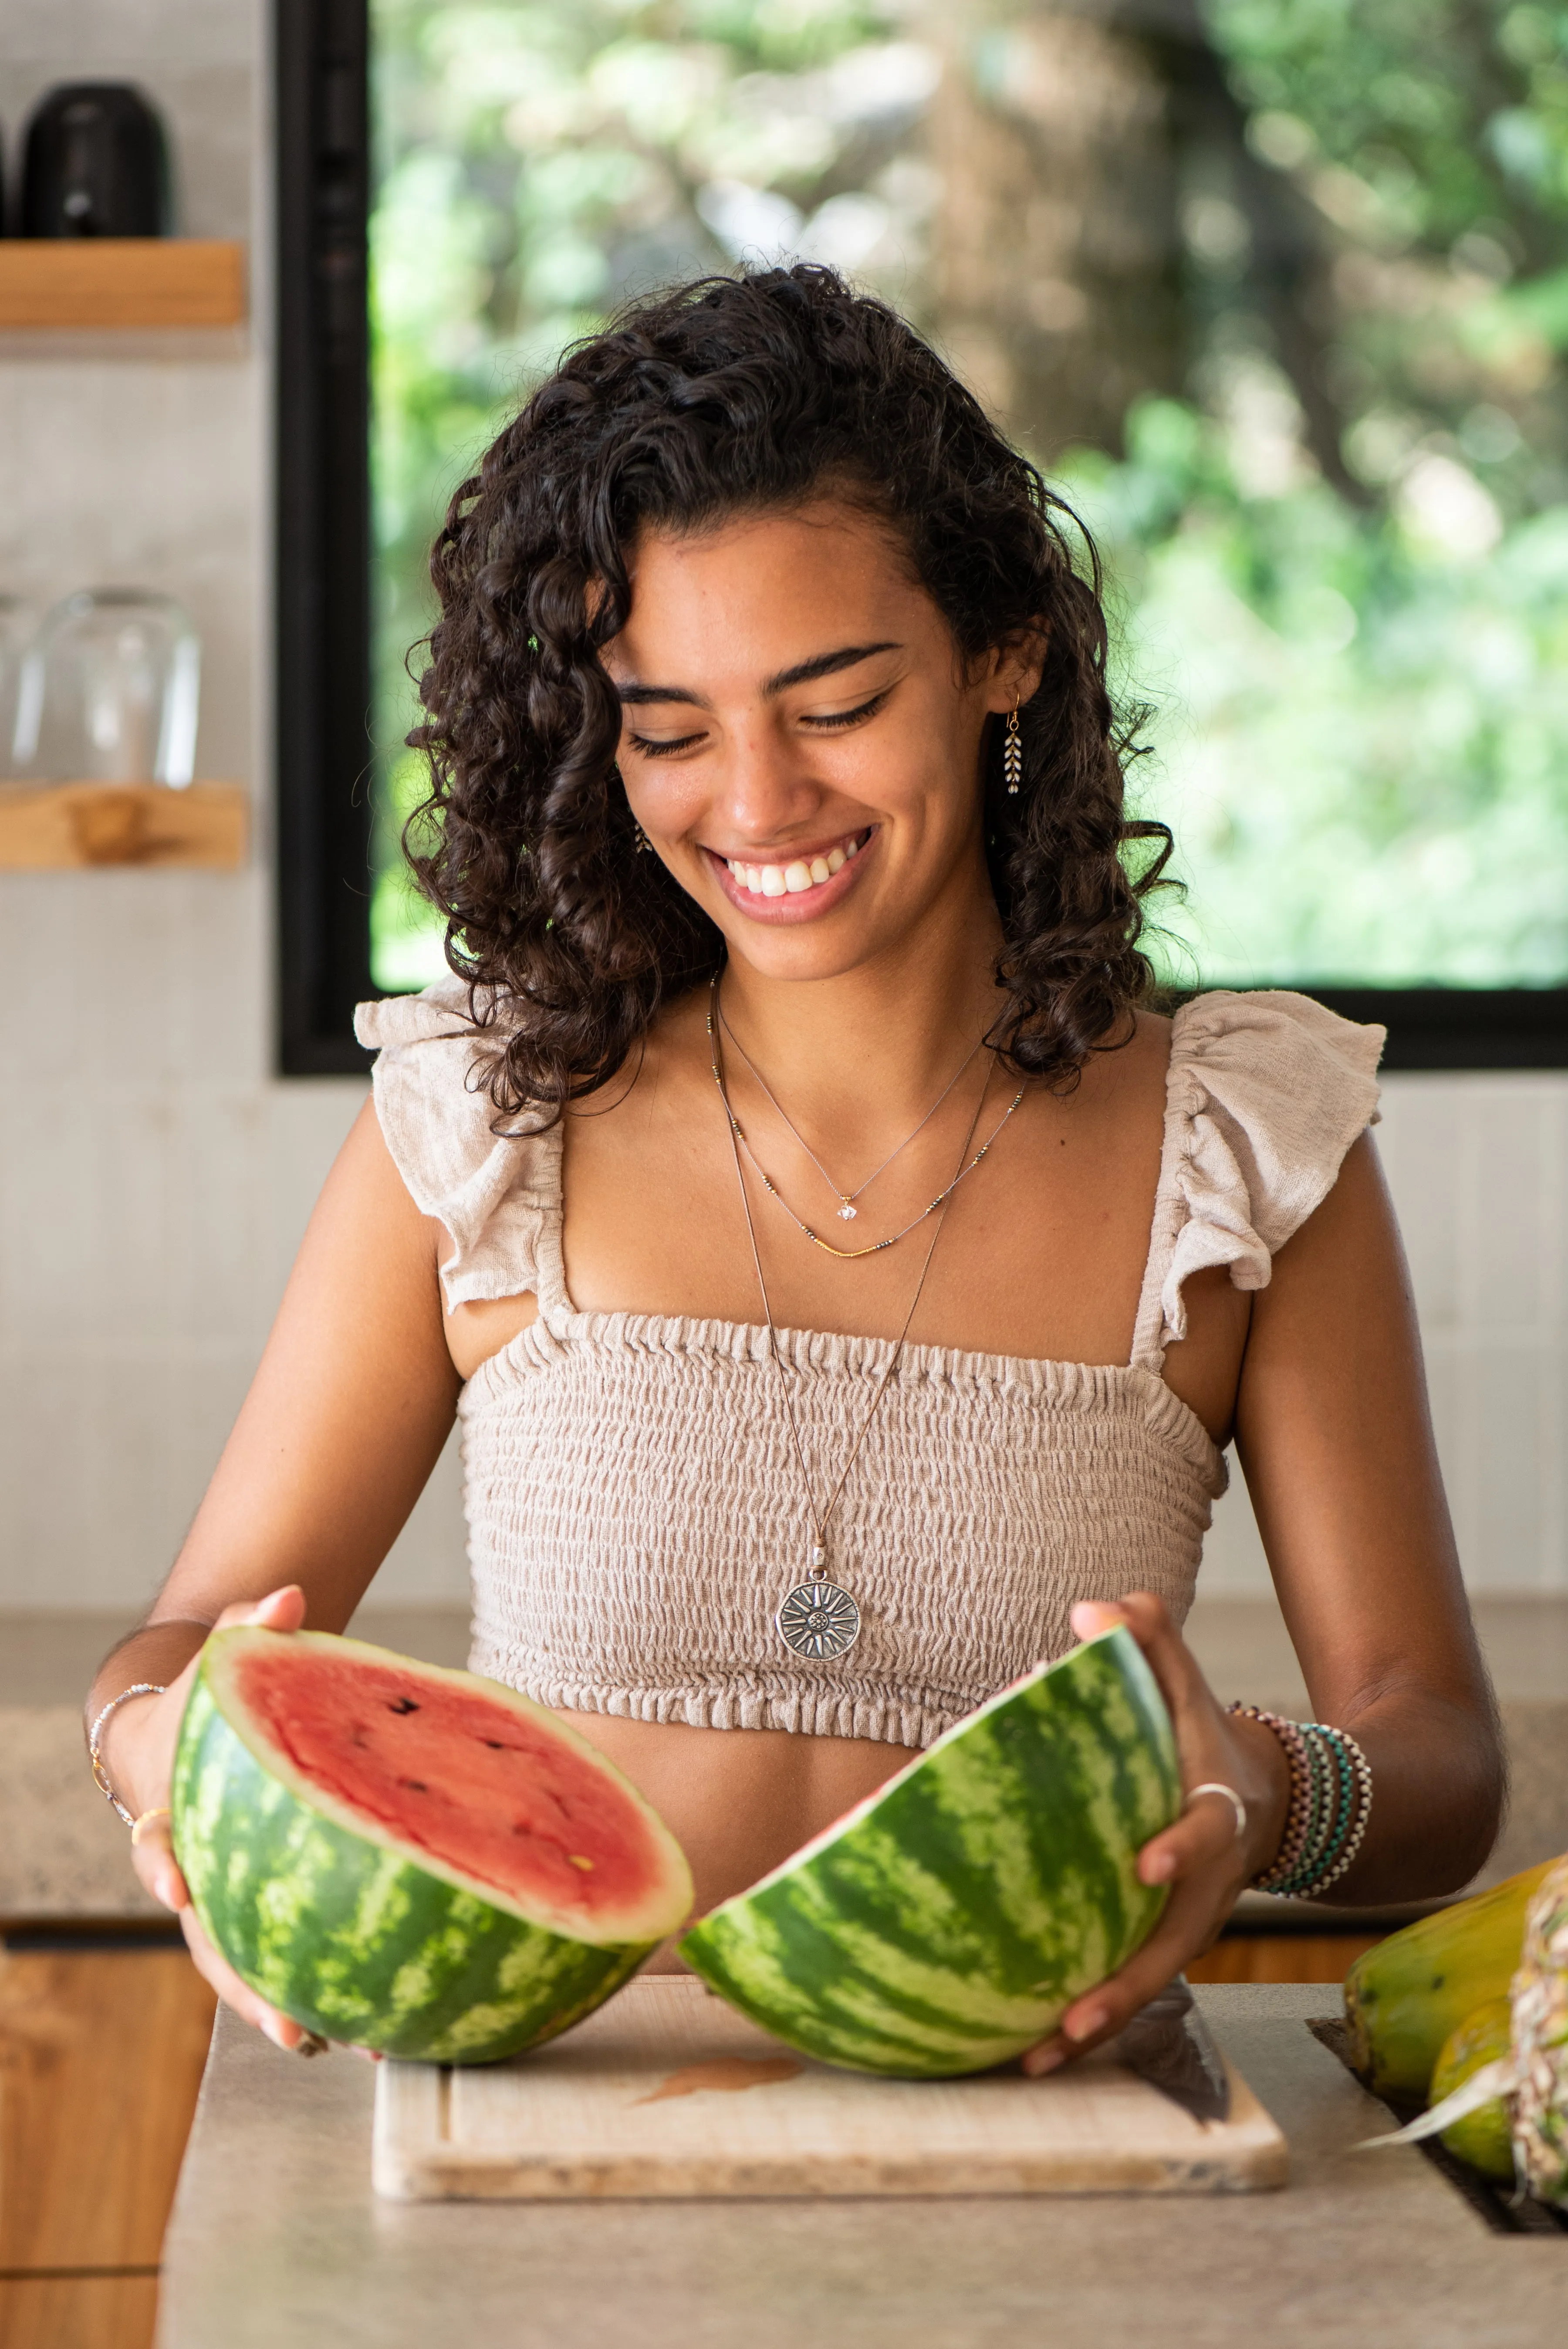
(1484, 2138)
(1405, 1996)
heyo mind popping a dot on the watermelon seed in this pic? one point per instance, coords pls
(415, 1786)
(402, 1704)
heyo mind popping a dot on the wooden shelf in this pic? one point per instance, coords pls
(120, 282)
(66, 827)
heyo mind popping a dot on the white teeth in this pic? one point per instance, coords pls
(789, 880)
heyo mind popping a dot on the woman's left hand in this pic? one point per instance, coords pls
(1202, 1857)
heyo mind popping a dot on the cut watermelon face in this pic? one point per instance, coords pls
(411, 1859)
(466, 1776)
(944, 1924)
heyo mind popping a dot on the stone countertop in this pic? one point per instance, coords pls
(276, 2237)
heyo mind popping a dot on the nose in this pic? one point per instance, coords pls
(765, 786)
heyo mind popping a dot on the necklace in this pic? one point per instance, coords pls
(845, 1256)
(846, 1209)
(819, 1618)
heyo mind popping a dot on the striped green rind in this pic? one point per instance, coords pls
(944, 1925)
(355, 1940)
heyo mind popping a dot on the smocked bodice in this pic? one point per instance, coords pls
(633, 1509)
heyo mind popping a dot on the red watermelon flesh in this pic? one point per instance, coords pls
(458, 1775)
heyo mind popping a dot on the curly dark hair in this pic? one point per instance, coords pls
(729, 396)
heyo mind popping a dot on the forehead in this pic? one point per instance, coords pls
(762, 591)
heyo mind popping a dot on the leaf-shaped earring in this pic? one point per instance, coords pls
(1013, 754)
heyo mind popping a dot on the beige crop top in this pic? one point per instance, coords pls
(634, 1515)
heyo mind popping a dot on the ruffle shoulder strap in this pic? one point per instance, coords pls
(499, 1196)
(1265, 1095)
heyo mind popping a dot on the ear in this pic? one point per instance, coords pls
(1016, 665)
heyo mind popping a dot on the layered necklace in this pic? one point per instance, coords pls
(846, 1209)
(819, 1618)
(717, 1021)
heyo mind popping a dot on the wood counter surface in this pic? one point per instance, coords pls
(276, 2237)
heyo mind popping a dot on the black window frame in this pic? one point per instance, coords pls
(322, 546)
(324, 747)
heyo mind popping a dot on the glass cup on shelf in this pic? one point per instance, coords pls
(109, 691)
(16, 628)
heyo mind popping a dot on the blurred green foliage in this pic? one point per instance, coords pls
(1359, 694)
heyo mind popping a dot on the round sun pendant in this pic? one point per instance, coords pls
(820, 1620)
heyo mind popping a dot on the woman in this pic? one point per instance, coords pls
(772, 1190)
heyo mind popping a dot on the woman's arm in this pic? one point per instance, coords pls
(344, 1420)
(1334, 1437)
(1336, 1440)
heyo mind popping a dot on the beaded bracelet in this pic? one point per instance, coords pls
(1299, 1808)
(1358, 1772)
(1328, 1808)
(101, 1775)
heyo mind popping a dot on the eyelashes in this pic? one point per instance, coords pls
(835, 723)
(651, 750)
(840, 719)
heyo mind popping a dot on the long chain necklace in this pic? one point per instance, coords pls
(846, 1210)
(842, 1256)
(818, 1618)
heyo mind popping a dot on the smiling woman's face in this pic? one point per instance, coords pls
(799, 740)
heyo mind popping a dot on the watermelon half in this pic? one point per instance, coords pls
(944, 1923)
(407, 1858)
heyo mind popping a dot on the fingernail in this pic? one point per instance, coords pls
(1085, 2023)
(1159, 1869)
(1041, 2060)
(274, 2026)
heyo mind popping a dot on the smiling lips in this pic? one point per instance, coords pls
(801, 874)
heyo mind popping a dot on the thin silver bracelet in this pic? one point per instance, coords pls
(101, 1775)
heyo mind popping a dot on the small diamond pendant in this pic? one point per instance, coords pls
(846, 1214)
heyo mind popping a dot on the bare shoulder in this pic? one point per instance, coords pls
(1124, 1083)
(366, 1233)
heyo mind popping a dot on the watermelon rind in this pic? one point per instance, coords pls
(364, 1938)
(946, 1923)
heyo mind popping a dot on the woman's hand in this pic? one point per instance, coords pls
(1203, 1858)
(144, 1734)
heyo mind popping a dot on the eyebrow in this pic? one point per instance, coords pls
(804, 673)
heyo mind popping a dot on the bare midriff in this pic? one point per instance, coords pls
(738, 1801)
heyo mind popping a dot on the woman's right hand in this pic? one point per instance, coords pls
(141, 1767)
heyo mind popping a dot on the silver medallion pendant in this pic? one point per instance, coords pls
(820, 1620)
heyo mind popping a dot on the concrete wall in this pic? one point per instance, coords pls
(154, 1175)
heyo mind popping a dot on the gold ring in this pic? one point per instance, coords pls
(1218, 1786)
(158, 1811)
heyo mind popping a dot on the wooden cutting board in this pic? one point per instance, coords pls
(666, 2091)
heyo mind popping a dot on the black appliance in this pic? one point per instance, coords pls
(95, 164)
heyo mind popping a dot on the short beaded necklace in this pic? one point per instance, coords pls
(716, 1019)
(846, 1210)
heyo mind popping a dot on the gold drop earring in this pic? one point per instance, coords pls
(1012, 753)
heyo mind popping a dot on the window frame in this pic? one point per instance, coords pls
(324, 605)
(323, 577)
